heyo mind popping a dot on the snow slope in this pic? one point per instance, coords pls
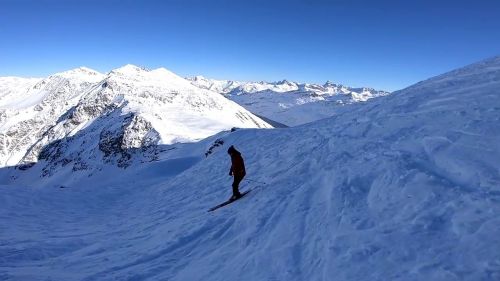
(288, 102)
(404, 187)
(129, 107)
(14, 90)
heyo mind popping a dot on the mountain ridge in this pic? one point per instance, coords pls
(286, 102)
(58, 106)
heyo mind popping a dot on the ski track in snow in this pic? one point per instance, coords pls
(405, 187)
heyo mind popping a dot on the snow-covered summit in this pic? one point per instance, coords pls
(136, 106)
(160, 77)
(82, 73)
(219, 86)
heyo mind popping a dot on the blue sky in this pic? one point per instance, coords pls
(385, 44)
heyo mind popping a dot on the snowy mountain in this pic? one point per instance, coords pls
(405, 187)
(30, 107)
(288, 102)
(81, 113)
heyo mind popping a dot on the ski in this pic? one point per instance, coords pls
(228, 201)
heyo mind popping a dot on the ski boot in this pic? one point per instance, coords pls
(235, 196)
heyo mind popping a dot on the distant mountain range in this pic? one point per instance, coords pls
(287, 102)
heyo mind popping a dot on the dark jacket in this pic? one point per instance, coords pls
(237, 164)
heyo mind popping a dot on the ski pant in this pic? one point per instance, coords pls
(236, 182)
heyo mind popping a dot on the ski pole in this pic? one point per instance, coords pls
(255, 181)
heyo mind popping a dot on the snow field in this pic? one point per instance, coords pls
(404, 187)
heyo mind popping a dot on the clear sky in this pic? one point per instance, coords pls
(386, 44)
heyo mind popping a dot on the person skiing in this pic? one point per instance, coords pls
(237, 170)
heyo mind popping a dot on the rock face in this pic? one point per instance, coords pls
(81, 116)
(288, 102)
(37, 106)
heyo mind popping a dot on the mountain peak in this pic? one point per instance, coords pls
(159, 74)
(165, 72)
(329, 83)
(129, 69)
(82, 70)
(199, 78)
(81, 74)
(284, 82)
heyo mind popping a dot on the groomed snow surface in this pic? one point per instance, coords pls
(403, 187)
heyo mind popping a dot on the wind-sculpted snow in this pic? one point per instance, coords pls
(162, 108)
(404, 187)
(288, 102)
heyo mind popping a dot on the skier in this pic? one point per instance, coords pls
(237, 170)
